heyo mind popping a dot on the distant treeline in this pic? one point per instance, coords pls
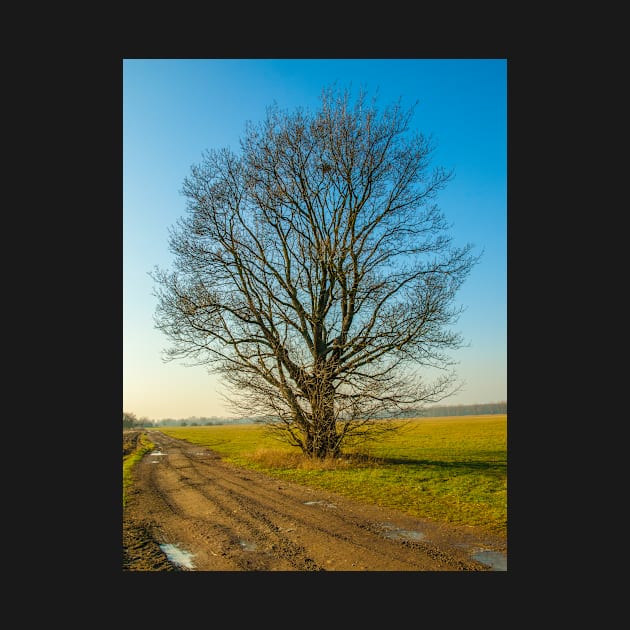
(478, 409)
(195, 421)
(130, 421)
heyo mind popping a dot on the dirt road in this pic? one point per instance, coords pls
(190, 511)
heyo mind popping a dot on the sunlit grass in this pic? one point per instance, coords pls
(451, 469)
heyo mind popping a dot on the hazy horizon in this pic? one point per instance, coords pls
(435, 406)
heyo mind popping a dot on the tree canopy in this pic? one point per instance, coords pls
(315, 273)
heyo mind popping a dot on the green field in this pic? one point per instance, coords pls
(451, 469)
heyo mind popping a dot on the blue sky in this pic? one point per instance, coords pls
(175, 109)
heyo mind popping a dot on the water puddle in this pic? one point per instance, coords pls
(329, 505)
(247, 546)
(404, 534)
(494, 559)
(178, 556)
(395, 533)
(156, 453)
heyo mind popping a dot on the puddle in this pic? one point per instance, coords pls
(395, 533)
(494, 559)
(157, 453)
(178, 556)
(247, 546)
(404, 534)
(330, 505)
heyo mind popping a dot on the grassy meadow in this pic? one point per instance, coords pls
(451, 469)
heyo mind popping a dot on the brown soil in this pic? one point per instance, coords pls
(234, 519)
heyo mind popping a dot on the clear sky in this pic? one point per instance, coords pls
(174, 109)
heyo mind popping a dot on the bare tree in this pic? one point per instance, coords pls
(314, 272)
(129, 420)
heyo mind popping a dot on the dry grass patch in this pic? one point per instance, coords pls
(282, 460)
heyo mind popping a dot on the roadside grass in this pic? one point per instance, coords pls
(451, 469)
(144, 446)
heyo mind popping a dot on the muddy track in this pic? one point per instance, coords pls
(231, 519)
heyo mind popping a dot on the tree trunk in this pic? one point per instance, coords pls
(321, 439)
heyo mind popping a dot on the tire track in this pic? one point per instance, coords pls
(246, 525)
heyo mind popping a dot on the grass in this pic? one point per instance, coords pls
(451, 469)
(144, 446)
